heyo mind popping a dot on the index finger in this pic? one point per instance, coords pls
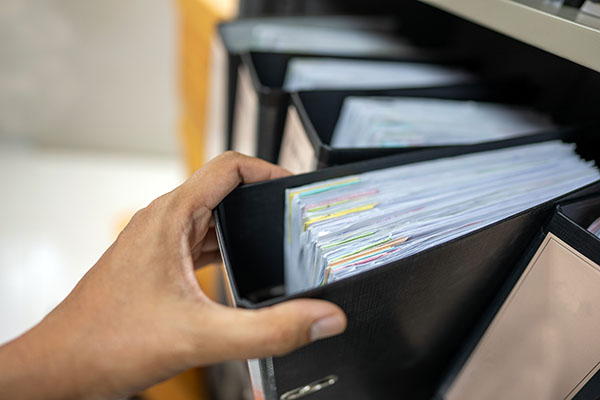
(215, 180)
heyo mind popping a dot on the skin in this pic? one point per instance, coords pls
(139, 315)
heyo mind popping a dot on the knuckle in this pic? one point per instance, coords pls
(151, 209)
(230, 155)
(160, 210)
(138, 214)
(165, 203)
(138, 218)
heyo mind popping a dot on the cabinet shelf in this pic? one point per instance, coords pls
(560, 30)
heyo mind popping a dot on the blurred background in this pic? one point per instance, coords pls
(89, 133)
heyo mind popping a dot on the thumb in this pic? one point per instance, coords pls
(277, 329)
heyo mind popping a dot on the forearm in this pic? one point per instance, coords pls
(77, 353)
(32, 367)
(58, 360)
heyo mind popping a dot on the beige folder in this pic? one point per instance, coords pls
(216, 112)
(297, 153)
(544, 343)
(245, 120)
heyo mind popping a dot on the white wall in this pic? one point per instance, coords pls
(95, 74)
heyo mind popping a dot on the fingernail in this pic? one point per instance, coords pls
(326, 327)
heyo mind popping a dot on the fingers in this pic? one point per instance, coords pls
(215, 180)
(274, 330)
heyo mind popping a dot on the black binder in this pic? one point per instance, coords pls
(407, 319)
(232, 36)
(264, 73)
(314, 114)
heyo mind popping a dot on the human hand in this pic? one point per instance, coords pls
(139, 315)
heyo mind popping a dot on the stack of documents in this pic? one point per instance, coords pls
(410, 122)
(595, 227)
(324, 40)
(334, 73)
(333, 35)
(340, 227)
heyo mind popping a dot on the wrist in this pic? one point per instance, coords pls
(33, 366)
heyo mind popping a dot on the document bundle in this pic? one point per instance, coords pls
(299, 38)
(338, 228)
(411, 122)
(306, 73)
(595, 227)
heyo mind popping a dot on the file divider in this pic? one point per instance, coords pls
(407, 319)
(313, 115)
(574, 217)
(262, 103)
(566, 225)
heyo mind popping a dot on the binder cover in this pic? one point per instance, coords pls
(407, 319)
(314, 114)
(540, 337)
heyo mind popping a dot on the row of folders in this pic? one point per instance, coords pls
(317, 93)
(427, 192)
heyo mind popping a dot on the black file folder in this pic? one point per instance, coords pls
(312, 117)
(407, 319)
(232, 41)
(261, 102)
(554, 352)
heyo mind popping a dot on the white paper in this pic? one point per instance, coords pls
(331, 73)
(341, 227)
(333, 35)
(410, 122)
